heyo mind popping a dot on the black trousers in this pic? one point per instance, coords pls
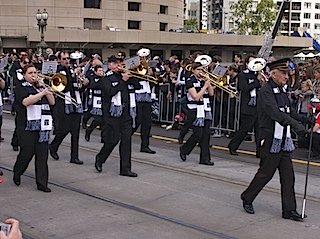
(269, 163)
(0, 125)
(117, 129)
(316, 143)
(144, 119)
(97, 120)
(15, 140)
(247, 123)
(67, 123)
(86, 116)
(200, 135)
(29, 147)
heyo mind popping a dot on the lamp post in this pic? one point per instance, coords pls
(42, 18)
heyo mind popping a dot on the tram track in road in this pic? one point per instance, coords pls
(207, 231)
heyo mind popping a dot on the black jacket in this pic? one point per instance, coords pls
(247, 82)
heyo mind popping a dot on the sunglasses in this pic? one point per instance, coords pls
(26, 62)
(66, 58)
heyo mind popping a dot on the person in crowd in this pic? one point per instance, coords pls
(238, 62)
(199, 113)
(303, 97)
(294, 78)
(66, 113)
(34, 124)
(2, 86)
(96, 109)
(316, 80)
(15, 232)
(248, 86)
(119, 112)
(307, 73)
(275, 120)
(230, 100)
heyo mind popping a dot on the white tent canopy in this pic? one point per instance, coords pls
(300, 55)
(310, 55)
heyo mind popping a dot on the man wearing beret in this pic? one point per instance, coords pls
(276, 119)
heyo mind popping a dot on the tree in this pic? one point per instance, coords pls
(253, 20)
(191, 24)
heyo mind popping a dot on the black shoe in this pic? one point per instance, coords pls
(76, 161)
(233, 152)
(147, 150)
(98, 165)
(248, 207)
(87, 135)
(15, 148)
(183, 156)
(207, 163)
(16, 180)
(292, 215)
(46, 190)
(54, 155)
(1, 139)
(129, 174)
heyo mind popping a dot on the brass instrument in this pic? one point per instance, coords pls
(215, 80)
(140, 73)
(57, 83)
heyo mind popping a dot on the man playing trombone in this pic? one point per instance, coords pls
(119, 112)
(67, 115)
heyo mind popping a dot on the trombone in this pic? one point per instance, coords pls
(140, 74)
(215, 80)
(57, 83)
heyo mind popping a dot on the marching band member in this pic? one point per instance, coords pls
(17, 76)
(199, 113)
(276, 118)
(248, 85)
(67, 115)
(119, 111)
(34, 123)
(96, 94)
(144, 101)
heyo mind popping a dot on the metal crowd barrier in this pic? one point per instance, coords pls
(225, 109)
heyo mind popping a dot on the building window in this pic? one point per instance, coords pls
(134, 25)
(317, 6)
(306, 25)
(307, 5)
(163, 26)
(295, 17)
(317, 26)
(134, 6)
(92, 4)
(307, 15)
(296, 6)
(91, 23)
(317, 16)
(163, 9)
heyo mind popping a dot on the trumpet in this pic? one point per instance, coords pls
(57, 83)
(215, 80)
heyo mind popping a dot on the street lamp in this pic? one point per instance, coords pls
(42, 18)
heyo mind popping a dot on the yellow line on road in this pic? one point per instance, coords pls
(298, 161)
